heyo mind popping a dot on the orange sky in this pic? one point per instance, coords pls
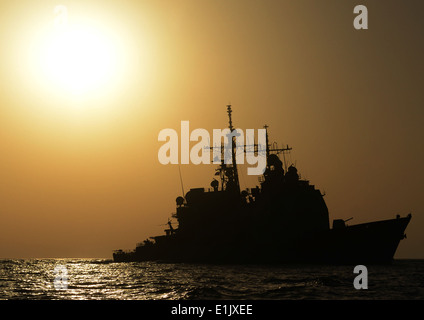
(79, 177)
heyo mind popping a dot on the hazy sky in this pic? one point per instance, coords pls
(79, 173)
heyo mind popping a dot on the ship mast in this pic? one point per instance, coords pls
(233, 149)
(267, 141)
(277, 150)
(229, 174)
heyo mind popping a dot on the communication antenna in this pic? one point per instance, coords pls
(181, 179)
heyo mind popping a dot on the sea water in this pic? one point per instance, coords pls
(86, 279)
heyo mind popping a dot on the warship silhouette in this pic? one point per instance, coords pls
(284, 220)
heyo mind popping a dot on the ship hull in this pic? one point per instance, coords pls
(368, 243)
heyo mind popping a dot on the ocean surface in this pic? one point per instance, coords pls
(86, 279)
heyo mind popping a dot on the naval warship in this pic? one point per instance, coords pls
(283, 220)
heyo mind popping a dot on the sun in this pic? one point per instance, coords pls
(78, 58)
(81, 68)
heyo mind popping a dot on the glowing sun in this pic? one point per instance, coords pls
(78, 58)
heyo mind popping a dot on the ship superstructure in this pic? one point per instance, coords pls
(284, 219)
